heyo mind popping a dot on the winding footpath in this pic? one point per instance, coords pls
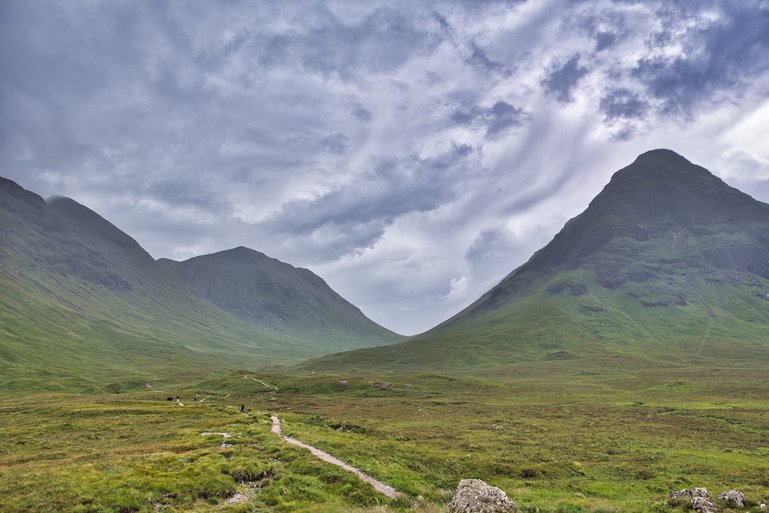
(378, 485)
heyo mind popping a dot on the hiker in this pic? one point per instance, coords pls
(242, 408)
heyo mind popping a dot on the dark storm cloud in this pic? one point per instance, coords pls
(497, 119)
(719, 56)
(502, 116)
(605, 27)
(479, 59)
(604, 40)
(623, 103)
(562, 80)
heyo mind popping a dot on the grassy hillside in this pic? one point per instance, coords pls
(82, 304)
(667, 263)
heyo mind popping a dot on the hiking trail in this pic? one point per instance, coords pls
(378, 485)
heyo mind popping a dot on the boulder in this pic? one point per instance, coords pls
(703, 505)
(733, 498)
(475, 496)
(699, 498)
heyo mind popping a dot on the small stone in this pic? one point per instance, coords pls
(733, 498)
(475, 496)
(238, 498)
(680, 494)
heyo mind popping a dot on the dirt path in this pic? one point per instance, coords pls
(378, 485)
(267, 385)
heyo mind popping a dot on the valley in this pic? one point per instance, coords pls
(337, 256)
(557, 438)
(625, 360)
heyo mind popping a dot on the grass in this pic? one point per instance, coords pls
(558, 438)
(140, 452)
(721, 322)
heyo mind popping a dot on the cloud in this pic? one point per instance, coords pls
(337, 143)
(354, 216)
(562, 79)
(479, 59)
(700, 53)
(412, 154)
(622, 103)
(496, 119)
(319, 40)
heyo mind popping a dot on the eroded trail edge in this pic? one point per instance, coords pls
(378, 485)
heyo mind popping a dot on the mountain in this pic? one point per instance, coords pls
(272, 294)
(81, 303)
(667, 263)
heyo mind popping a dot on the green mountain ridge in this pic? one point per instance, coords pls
(667, 264)
(267, 292)
(81, 303)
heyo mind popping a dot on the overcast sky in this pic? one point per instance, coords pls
(410, 153)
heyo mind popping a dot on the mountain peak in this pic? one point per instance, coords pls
(240, 253)
(660, 201)
(662, 166)
(15, 192)
(661, 155)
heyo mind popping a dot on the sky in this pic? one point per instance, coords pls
(410, 153)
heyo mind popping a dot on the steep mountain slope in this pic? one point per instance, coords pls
(668, 263)
(272, 294)
(82, 302)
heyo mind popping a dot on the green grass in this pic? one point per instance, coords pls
(141, 453)
(555, 438)
(720, 322)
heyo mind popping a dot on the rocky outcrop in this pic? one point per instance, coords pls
(475, 496)
(699, 498)
(732, 498)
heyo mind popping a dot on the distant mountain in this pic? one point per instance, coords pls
(81, 304)
(272, 294)
(668, 263)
